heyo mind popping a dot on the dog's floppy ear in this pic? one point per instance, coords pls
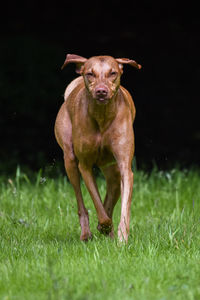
(78, 60)
(128, 61)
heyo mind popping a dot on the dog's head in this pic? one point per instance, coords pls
(101, 74)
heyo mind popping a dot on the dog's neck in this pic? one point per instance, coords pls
(102, 114)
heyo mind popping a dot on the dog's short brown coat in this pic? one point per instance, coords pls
(94, 126)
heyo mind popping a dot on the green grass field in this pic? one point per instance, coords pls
(41, 256)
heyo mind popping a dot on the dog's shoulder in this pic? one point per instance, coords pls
(77, 82)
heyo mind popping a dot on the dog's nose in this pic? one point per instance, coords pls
(101, 91)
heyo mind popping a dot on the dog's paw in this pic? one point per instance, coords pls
(122, 233)
(86, 236)
(106, 229)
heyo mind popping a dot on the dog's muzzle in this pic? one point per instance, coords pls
(101, 92)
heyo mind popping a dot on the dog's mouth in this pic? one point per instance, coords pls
(102, 100)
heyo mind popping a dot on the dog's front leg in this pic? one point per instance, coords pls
(123, 151)
(126, 196)
(90, 182)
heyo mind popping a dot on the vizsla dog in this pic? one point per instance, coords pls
(95, 127)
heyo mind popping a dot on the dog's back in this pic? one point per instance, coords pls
(76, 82)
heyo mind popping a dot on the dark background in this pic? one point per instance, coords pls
(163, 38)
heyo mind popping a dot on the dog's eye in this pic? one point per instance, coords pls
(90, 74)
(113, 73)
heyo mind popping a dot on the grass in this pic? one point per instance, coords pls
(41, 256)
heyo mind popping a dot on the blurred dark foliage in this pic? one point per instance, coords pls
(35, 38)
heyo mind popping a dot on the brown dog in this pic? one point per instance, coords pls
(95, 127)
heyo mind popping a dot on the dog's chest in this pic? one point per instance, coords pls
(92, 148)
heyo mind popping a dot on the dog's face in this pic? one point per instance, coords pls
(102, 77)
(101, 74)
